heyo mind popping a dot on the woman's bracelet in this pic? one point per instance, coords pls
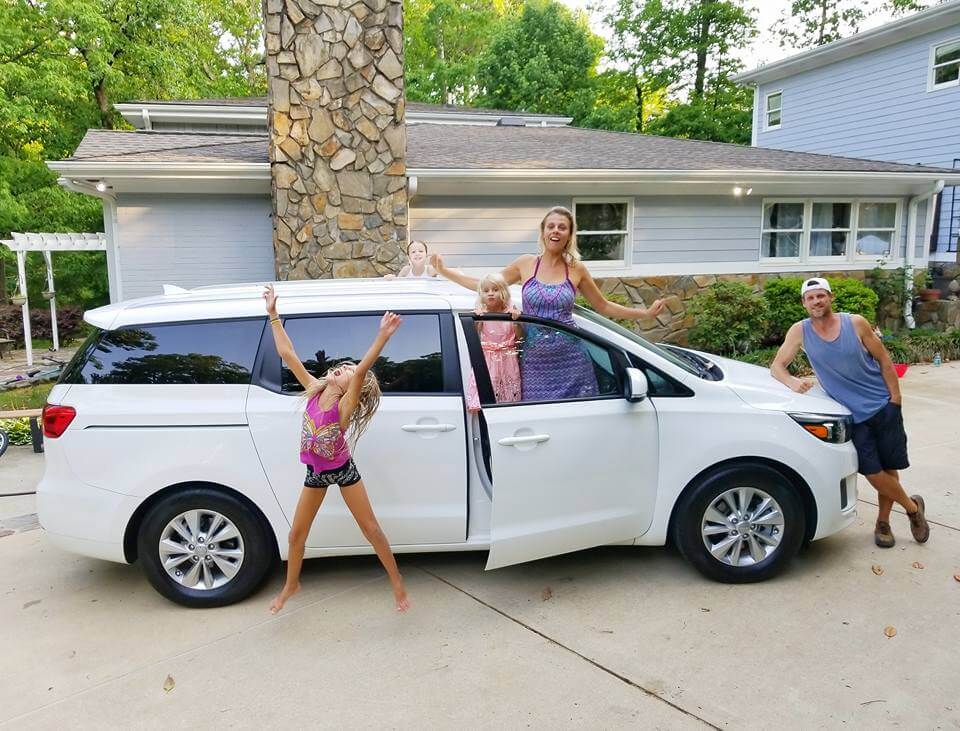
(274, 319)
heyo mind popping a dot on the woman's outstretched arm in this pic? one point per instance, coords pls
(589, 289)
(282, 341)
(510, 273)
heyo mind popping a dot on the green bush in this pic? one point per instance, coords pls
(18, 430)
(729, 318)
(890, 286)
(785, 306)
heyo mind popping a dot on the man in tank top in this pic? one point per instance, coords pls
(854, 368)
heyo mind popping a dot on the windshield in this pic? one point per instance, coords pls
(633, 337)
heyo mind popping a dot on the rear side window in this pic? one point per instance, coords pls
(195, 352)
(411, 362)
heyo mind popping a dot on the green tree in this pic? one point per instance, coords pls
(808, 23)
(444, 40)
(543, 60)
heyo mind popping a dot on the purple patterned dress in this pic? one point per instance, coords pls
(554, 365)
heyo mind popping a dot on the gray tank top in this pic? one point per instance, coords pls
(847, 372)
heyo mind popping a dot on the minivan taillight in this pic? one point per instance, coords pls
(56, 419)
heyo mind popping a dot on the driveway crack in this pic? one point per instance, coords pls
(600, 666)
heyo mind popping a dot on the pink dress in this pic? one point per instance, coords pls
(499, 342)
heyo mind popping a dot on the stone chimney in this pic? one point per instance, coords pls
(337, 136)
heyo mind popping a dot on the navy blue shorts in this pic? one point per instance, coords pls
(881, 441)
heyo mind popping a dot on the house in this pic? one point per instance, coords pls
(187, 201)
(890, 93)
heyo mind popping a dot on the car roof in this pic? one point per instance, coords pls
(298, 297)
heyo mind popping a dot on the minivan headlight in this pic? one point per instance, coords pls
(826, 427)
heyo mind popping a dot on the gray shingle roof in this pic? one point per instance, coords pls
(479, 147)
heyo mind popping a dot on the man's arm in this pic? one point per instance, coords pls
(785, 355)
(874, 346)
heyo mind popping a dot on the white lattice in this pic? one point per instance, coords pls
(56, 242)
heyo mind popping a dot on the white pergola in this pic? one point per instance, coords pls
(46, 244)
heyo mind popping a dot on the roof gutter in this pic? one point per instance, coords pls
(910, 253)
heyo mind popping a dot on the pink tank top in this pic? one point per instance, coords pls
(322, 445)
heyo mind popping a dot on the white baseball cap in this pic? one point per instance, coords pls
(814, 283)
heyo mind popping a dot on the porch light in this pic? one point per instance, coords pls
(101, 186)
(739, 191)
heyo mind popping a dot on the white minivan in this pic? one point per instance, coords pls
(172, 438)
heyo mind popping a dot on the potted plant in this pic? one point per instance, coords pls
(19, 299)
(923, 282)
(48, 294)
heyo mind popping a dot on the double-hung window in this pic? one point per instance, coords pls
(773, 109)
(945, 65)
(603, 229)
(824, 230)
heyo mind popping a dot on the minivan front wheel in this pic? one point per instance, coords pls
(204, 548)
(740, 524)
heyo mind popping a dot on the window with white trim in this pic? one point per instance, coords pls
(820, 230)
(603, 229)
(876, 228)
(773, 108)
(945, 65)
(782, 229)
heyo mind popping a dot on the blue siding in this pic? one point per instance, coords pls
(874, 106)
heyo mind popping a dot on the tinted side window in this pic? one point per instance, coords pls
(196, 352)
(411, 362)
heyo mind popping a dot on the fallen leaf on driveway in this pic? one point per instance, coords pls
(890, 630)
(917, 565)
(704, 609)
(546, 594)
(168, 683)
(956, 577)
(877, 569)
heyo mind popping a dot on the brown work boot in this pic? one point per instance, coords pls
(918, 523)
(883, 535)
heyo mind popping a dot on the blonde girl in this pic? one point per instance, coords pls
(343, 401)
(498, 338)
(416, 265)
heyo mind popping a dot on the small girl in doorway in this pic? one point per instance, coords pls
(345, 399)
(416, 265)
(498, 338)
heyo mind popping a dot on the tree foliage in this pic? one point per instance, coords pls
(543, 61)
(808, 23)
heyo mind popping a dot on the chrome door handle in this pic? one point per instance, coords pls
(427, 427)
(532, 439)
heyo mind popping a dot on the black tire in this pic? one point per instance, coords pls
(259, 551)
(691, 509)
(4, 442)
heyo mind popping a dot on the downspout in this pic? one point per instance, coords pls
(110, 227)
(910, 253)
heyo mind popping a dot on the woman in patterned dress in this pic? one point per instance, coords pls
(553, 365)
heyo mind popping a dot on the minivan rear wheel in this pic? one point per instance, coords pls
(740, 524)
(204, 548)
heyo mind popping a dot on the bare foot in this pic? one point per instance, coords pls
(280, 599)
(400, 595)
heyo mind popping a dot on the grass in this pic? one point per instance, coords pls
(31, 397)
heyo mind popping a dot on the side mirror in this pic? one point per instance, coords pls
(637, 385)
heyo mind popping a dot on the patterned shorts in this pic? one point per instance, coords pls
(344, 476)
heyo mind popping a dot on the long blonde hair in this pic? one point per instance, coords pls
(500, 284)
(571, 254)
(367, 403)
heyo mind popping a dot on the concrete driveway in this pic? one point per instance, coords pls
(612, 637)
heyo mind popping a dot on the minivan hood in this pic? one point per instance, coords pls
(756, 387)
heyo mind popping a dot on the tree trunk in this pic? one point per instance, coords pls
(823, 21)
(106, 118)
(639, 88)
(704, 34)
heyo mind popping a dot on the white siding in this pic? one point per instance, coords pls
(193, 240)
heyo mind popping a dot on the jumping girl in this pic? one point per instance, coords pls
(416, 265)
(498, 339)
(345, 399)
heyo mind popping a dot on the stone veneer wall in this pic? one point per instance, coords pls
(673, 324)
(337, 136)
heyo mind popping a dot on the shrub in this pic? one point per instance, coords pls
(729, 318)
(890, 286)
(69, 322)
(18, 430)
(783, 300)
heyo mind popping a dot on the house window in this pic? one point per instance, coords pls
(603, 232)
(945, 65)
(814, 230)
(782, 230)
(830, 229)
(876, 229)
(773, 109)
